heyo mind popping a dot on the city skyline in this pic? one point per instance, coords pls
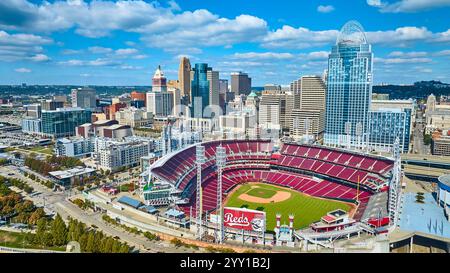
(76, 42)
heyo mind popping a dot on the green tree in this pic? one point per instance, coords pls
(90, 244)
(59, 231)
(41, 230)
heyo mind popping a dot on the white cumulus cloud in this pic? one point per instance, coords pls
(22, 70)
(325, 9)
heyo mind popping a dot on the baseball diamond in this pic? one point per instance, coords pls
(307, 209)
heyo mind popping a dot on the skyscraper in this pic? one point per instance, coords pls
(199, 90)
(159, 101)
(272, 110)
(241, 83)
(84, 98)
(184, 77)
(214, 85)
(349, 87)
(310, 105)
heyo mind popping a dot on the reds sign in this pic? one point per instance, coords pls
(251, 220)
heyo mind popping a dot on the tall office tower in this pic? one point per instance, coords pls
(213, 78)
(159, 101)
(84, 98)
(241, 83)
(312, 95)
(295, 88)
(176, 95)
(223, 90)
(159, 81)
(290, 103)
(199, 90)
(184, 77)
(349, 87)
(311, 107)
(272, 109)
(223, 86)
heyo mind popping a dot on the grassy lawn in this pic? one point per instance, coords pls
(42, 149)
(17, 240)
(261, 192)
(306, 209)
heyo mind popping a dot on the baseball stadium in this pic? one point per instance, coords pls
(301, 183)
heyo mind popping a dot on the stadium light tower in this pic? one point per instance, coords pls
(221, 156)
(394, 187)
(163, 141)
(200, 160)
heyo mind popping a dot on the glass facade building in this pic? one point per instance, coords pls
(62, 121)
(349, 88)
(199, 90)
(385, 125)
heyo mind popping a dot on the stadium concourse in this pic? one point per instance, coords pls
(317, 171)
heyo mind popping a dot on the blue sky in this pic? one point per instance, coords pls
(122, 42)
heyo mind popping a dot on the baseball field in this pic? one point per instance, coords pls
(273, 199)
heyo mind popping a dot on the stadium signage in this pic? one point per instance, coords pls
(244, 219)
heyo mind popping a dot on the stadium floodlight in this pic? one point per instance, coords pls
(221, 156)
(200, 160)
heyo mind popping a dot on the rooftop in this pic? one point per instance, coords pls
(427, 217)
(71, 172)
(352, 33)
(130, 201)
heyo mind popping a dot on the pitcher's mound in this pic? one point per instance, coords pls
(264, 196)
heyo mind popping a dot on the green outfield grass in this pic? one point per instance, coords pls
(306, 209)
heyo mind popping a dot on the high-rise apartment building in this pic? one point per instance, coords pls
(84, 98)
(241, 83)
(184, 78)
(349, 87)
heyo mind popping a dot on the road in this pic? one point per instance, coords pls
(57, 202)
(418, 145)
